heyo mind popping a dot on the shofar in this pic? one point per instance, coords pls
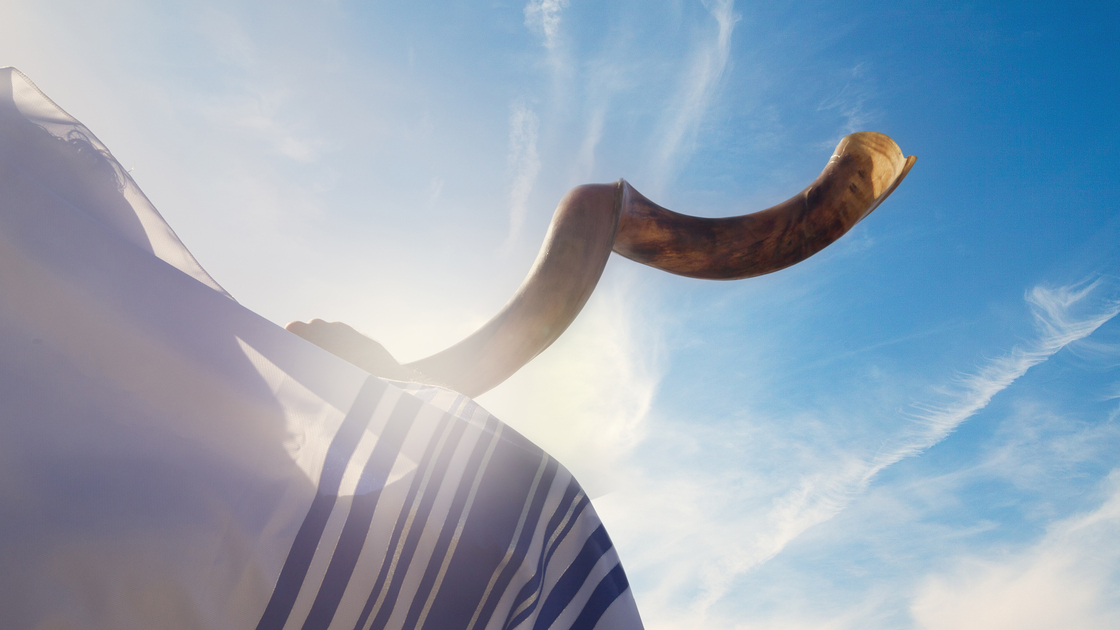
(595, 219)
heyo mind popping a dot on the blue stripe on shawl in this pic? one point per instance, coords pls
(533, 588)
(523, 543)
(356, 528)
(439, 461)
(307, 538)
(608, 590)
(488, 534)
(382, 618)
(573, 578)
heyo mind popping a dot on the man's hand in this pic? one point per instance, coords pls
(351, 345)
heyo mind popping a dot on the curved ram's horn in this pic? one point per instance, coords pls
(572, 258)
(592, 220)
(865, 168)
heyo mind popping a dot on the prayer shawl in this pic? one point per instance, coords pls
(169, 459)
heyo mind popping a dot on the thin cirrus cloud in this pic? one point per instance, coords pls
(699, 84)
(543, 18)
(851, 102)
(1066, 580)
(1061, 316)
(524, 162)
(718, 532)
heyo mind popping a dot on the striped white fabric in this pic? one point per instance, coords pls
(168, 459)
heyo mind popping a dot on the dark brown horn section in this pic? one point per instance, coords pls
(865, 168)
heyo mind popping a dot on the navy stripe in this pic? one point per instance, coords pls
(561, 509)
(613, 585)
(522, 545)
(356, 528)
(534, 589)
(413, 535)
(576, 574)
(307, 538)
(458, 504)
(535, 586)
(430, 458)
(413, 539)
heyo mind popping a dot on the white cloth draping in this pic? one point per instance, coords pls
(169, 459)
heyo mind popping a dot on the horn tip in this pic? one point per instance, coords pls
(888, 164)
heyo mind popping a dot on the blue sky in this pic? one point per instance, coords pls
(917, 428)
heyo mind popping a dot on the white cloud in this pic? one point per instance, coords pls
(1067, 580)
(851, 102)
(1062, 315)
(584, 163)
(700, 81)
(715, 529)
(525, 163)
(543, 18)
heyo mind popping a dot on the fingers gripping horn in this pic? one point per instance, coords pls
(593, 220)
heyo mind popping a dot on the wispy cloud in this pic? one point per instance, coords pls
(1062, 316)
(543, 18)
(584, 163)
(1066, 580)
(851, 102)
(716, 536)
(524, 162)
(700, 81)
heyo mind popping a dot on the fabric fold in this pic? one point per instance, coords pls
(169, 459)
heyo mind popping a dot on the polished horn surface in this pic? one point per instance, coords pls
(568, 267)
(864, 169)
